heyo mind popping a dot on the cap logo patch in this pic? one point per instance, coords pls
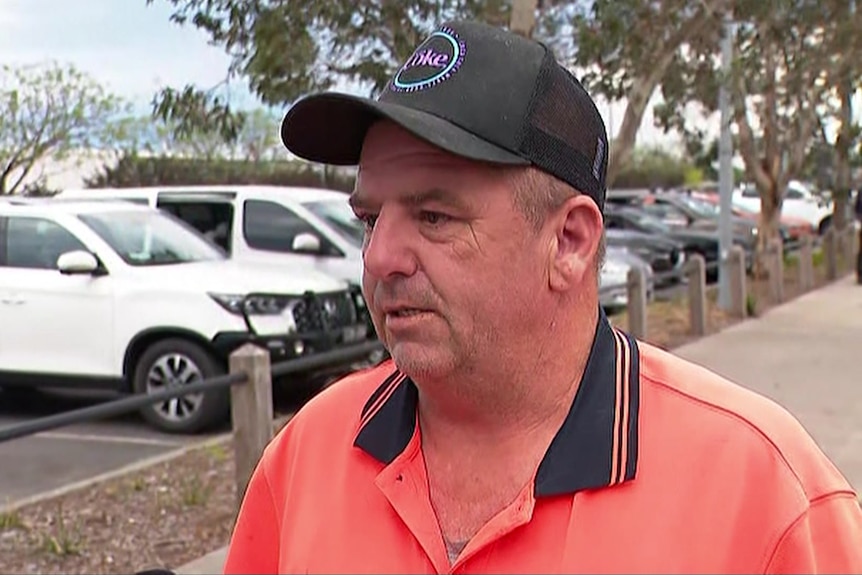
(433, 62)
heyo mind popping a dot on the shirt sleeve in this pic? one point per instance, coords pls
(826, 538)
(254, 544)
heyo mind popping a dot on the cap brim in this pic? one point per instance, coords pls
(330, 128)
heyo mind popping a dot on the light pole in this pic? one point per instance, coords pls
(725, 166)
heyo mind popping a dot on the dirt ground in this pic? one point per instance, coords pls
(175, 512)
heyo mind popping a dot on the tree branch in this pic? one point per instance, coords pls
(643, 87)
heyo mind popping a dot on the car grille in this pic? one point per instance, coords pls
(324, 312)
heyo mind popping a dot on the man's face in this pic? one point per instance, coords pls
(454, 275)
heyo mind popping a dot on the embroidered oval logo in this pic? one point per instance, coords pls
(434, 61)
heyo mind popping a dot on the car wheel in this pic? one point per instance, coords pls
(175, 362)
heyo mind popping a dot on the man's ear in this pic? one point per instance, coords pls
(577, 228)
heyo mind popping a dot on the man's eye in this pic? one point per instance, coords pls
(434, 218)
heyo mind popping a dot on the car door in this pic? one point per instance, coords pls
(51, 322)
(271, 229)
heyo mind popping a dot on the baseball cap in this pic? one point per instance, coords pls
(476, 91)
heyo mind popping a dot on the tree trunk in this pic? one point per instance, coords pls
(643, 87)
(770, 213)
(841, 193)
(523, 17)
(623, 144)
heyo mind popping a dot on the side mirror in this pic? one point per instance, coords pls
(306, 243)
(77, 262)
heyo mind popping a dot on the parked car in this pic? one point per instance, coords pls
(791, 229)
(291, 228)
(693, 241)
(665, 255)
(798, 202)
(679, 210)
(294, 227)
(116, 296)
(613, 280)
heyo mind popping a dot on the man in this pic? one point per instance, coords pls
(514, 430)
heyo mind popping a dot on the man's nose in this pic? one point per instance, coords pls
(387, 248)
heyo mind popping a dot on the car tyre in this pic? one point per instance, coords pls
(171, 362)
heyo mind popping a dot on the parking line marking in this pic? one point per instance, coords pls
(108, 439)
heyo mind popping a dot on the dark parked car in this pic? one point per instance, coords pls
(683, 211)
(692, 240)
(663, 254)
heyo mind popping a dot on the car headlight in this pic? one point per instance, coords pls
(241, 304)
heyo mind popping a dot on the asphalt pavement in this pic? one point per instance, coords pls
(50, 460)
(42, 463)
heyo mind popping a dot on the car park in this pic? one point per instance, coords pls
(109, 295)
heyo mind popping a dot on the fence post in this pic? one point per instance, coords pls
(858, 260)
(637, 302)
(849, 245)
(830, 254)
(805, 262)
(695, 271)
(251, 411)
(738, 295)
(775, 268)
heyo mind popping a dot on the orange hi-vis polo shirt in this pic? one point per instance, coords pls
(661, 466)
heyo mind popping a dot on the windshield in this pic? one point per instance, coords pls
(340, 216)
(700, 207)
(649, 222)
(151, 238)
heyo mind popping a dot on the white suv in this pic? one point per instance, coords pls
(276, 225)
(111, 295)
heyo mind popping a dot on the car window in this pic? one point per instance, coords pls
(272, 227)
(213, 219)
(151, 237)
(37, 243)
(793, 194)
(339, 215)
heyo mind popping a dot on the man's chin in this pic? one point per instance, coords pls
(422, 361)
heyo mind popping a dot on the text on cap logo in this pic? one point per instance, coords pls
(434, 61)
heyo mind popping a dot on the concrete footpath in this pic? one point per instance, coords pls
(805, 354)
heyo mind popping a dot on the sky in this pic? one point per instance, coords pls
(135, 49)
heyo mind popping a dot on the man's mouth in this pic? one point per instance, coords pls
(406, 312)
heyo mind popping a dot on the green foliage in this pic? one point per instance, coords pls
(786, 54)
(47, 112)
(621, 41)
(133, 170)
(653, 168)
(287, 49)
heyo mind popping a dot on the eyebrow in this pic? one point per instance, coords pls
(359, 201)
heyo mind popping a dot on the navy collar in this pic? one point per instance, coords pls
(596, 446)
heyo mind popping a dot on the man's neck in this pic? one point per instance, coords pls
(508, 403)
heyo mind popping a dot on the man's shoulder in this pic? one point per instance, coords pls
(715, 411)
(336, 412)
